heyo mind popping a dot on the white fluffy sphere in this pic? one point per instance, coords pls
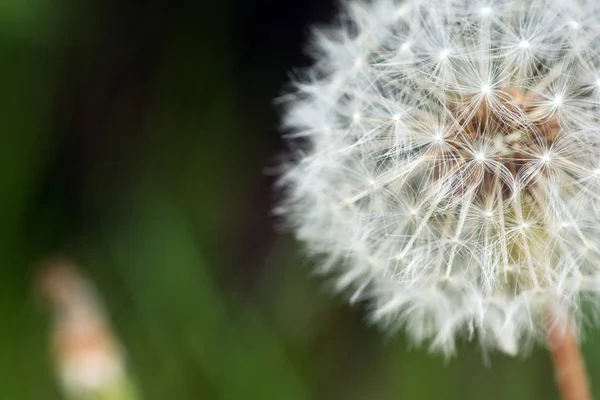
(446, 164)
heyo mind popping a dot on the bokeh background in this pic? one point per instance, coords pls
(138, 140)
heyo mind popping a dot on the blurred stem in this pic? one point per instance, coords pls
(569, 366)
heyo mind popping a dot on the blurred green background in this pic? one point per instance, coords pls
(137, 138)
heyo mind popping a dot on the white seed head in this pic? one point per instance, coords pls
(452, 184)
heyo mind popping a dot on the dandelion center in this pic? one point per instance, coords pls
(507, 136)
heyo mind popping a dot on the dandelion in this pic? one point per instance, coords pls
(445, 165)
(88, 356)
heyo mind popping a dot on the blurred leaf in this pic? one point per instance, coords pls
(31, 19)
(26, 80)
(180, 330)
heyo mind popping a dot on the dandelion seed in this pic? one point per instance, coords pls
(87, 354)
(485, 11)
(524, 44)
(574, 25)
(557, 101)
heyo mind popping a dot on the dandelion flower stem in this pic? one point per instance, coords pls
(569, 366)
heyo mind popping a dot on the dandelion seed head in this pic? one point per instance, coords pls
(454, 189)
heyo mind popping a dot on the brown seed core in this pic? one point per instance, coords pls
(515, 125)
